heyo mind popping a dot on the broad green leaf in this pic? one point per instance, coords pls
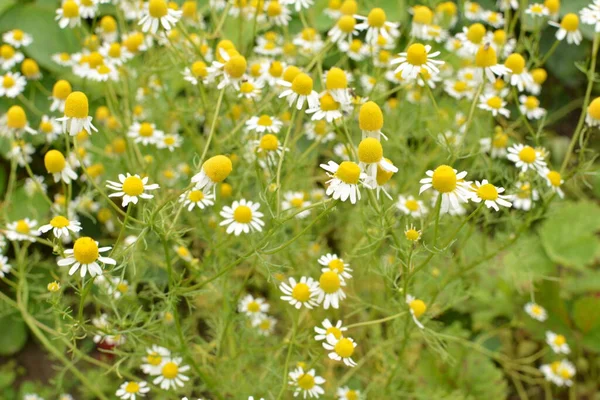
(14, 334)
(585, 313)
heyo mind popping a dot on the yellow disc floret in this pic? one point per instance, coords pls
(348, 172)
(301, 292)
(487, 192)
(302, 84)
(416, 54)
(594, 109)
(54, 161)
(344, 348)
(516, 63)
(16, 117)
(157, 8)
(418, 307)
(85, 250)
(486, 57)
(444, 179)
(76, 105)
(242, 214)
(336, 79)
(376, 18)
(329, 282)
(217, 168)
(370, 117)
(370, 151)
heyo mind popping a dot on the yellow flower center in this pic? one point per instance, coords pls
(554, 178)
(500, 37)
(334, 4)
(46, 127)
(349, 7)
(22, 227)
(418, 307)
(336, 265)
(253, 306)
(500, 140)
(527, 154)
(76, 105)
(475, 33)
(460, 86)
(559, 340)
(246, 87)
(265, 324)
(217, 168)
(412, 234)
(351, 395)
(108, 24)
(297, 202)
(122, 287)
(269, 142)
(336, 79)
(274, 9)
(536, 310)
(276, 69)
(85, 250)
(306, 382)
(565, 373)
(16, 118)
(196, 196)
(336, 332)
(70, 9)
(157, 8)
(370, 151)
(344, 348)
(444, 179)
(301, 292)
(537, 8)
(370, 117)
(54, 161)
(594, 108)
(329, 282)
(552, 5)
(422, 15)
(487, 192)
(486, 57)
(133, 186)
(532, 102)
(170, 370)
(265, 120)
(524, 191)
(302, 84)
(328, 103)
(416, 54)
(132, 387)
(8, 82)
(236, 66)
(376, 18)
(134, 41)
(29, 68)
(495, 102)
(59, 222)
(516, 63)
(348, 172)
(320, 127)
(355, 45)
(412, 205)
(554, 366)
(570, 22)
(183, 252)
(308, 34)
(346, 23)
(18, 34)
(242, 214)
(114, 51)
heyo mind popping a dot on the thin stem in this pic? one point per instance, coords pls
(280, 165)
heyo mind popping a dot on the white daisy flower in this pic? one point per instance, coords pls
(61, 226)
(450, 184)
(300, 91)
(85, 254)
(76, 116)
(525, 196)
(198, 72)
(298, 4)
(242, 216)
(417, 56)
(343, 30)
(332, 262)
(300, 294)
(590, 15)
(526, 157)
(517, 73)
(345, 393)
(131, 188)
(328, 328)
(530, 106)
(356, 50)
(57, 165)
(569, 29)
(417, 308)
(17, 38)
(264, 124)
(12, 84)
(330, 291)
(486, 61)
(296, 201)
(536, 311)
(496, 146)
(560, 373)
(195, 197)
(537, 10)
(319, 130)
(145, 133)
(214, 170)
(9, 57)
(131, 390)
(554, 181)
(376, 24)
(344, 181)
(156, 357)
(32, 185)
(253, 307)
(49, 128)
(494, 104)
(341, 349)
(306, 383)
(68, 14)
(171, 374)
(265, 326)
(411, 206)
(490, 195)
(558, 343)
(5, 267)
(158, 13)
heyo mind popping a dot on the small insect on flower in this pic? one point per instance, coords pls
(560, 373)
(300, 294)
(558, 343)
(253, 307)
(68, 14)
(593, 112)
(156, 357)
(331, 262)
(344, 181)
(131, 390)
(450, 185)
(490, 195)
(526, 157)
(197, 198)
(300, 91)
(330, 291)
(242, 216)
(131, 188)
(171, 374)
(417, 308)
(341, 349)
(214, 170)
(61, 226)
(306, 383)
(417, 56)
(158, 13)
(76, 116)
(536, 311)
(336, 330)
(85, 254)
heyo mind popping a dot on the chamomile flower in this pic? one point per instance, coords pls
(169, 141)
(12, 84)
(61, 226)
(493, 18)
(421, 21)
(231, 70)
(331, 262)
(486, 61)
(299, 91)
(265, 326)
(84, 256)
(490, 195)
(33, 185)
(57, 165)
(376, 24)
(107, 29)
(526, 157)
(68, 14)
(213, 171)
(343, 30)
(253, 307)
(250, 88)
(558, 343)
(198, 72)
(554, 181)
(264, 124)
(536, 311)
(590, 15)
(452, 187)
(504, 5)
(9, 57)
(417, 57)
(306, 383)
(15, 122)
(22, 230)
(345, 393)
(296, 201)
(473, 10)
(300, 294)
(517, 74)
(319, 130)
(370, 155)
(144, 133)
(197, 198)
(408, 205)
(468, 41)
(530, 106)
(370, 120)
(340, 349)
(130, 390)
(459, 89)
(5, 267)
(344, 180)
(277, 13)
(494, 104)
(158, 13)
(495, 145)
(356, 50)
(76, 117)
(525, 196)
(537, 10)
(569, 29)
(172, 374)
(155, 357)
(560, 373)
(592, 117)
(333, 9)
(330, 290)
(242, 216)
(328, 328)
(17, 38)
(131, 188)
(417, 308)
(328, 109)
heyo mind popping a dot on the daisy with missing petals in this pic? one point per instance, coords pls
(516, 72)
(306, 383)
(411, 233)
(417, 308)
(300, 294)
(131, 188)
(494, 104)
(171, 375)
(341, 349)
(61, 226)
(452, 187)
(300, 91)
(343, 30)
(486, 61)
(490, 195)
(554, 181)
(296, 201)
(592, 117)
(526, 157)
(330, 289)
(130, 390)
(242, 216)
(410, 206)
(158, 12)
(21, 230)
(68, 14)
(76, 117)
(85, 254)
(17, 38)
(530, 106)
(57, 165)
(332, 262)
(525, 196)
(197, 198)
(336, 330)
(253, 307)
(264, 124)
(536, 311)
(414, 59)
(154, 359)
(198, 72)
(344, 181)
(370, 155)
(569, 29)
(214, 170)
(559, 372)
(558, 343)
(376, 25)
